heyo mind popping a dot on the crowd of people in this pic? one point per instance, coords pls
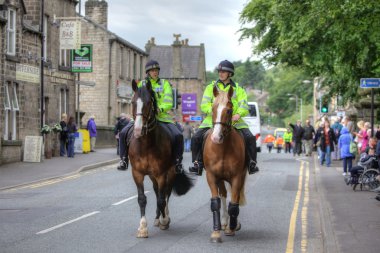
(341, 140)
(68, 134)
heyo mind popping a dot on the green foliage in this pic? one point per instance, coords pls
(338, 40)
(46, 129)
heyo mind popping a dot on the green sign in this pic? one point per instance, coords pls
(81, 59)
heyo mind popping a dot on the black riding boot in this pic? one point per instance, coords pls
(197, 152)
(125, 136)
(250, 147)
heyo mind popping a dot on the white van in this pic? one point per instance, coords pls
(254, 123)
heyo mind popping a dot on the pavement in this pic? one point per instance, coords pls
(22, 173)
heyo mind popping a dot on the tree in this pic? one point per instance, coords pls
(338, 40)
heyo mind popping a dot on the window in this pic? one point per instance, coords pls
(11, 108)
(45, 38)
(252, 111)
(63, 98)
(11, 32)
(121, 62)
(127, 64)
(64, 58)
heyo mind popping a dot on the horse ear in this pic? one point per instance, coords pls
(134, 85)
(230, 92)
(215, 91)
(148, 85)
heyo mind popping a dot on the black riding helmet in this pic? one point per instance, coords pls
(226, 66)
(152, 64)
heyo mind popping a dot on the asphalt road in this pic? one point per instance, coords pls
(97, 211)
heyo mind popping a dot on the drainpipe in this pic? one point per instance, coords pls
(109, 79)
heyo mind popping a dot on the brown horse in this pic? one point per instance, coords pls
(225, 161)
(150, 153)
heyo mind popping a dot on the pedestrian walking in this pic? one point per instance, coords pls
(121, 123)
(297, 137)
(326, 138)
(344, 141)
(63, 135)
(288, 136)
(269, 140)
(187, 134)
(308, 137)
(337, 127)
(72, 129)
(91, 127)
(279, 144)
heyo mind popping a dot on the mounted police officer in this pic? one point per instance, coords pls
(240, 109)
(164, 97)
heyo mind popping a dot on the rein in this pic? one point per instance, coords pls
(227, 125)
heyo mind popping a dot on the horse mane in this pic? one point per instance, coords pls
(222, 98)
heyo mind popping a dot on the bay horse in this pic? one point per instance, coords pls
(225, 162)
(150, 153)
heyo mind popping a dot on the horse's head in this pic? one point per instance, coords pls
(144, 107)
(221, 114)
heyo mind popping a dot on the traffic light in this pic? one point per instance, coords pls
(324, 105)
(176, 98)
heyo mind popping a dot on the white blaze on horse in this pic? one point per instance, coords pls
(225, 161)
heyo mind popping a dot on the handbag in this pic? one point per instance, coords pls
(353, 147)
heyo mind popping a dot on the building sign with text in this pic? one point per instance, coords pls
(189, 103)
(70, 34)
(81, 59)
(27, 73)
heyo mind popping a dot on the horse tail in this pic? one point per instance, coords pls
(182, 183)
(242, 199)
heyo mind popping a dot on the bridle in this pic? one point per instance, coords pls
(226, 126)
(149, 119)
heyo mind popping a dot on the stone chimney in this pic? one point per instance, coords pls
(97, 11)
(149, 45)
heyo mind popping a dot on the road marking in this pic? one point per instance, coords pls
(66, 223)
(304, 211)
(127, 199)
(293, 217)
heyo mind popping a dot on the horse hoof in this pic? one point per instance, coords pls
(143, 233)
(156, 222)
(215, 237)
(164, 227)
(238, 227)
(229, 232)
(224, 226)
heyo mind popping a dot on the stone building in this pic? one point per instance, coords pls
(20, 78)
(115, 63)
(185, 67)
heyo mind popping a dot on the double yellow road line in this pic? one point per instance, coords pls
(303, 189)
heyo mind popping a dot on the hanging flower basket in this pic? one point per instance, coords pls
(46, 129)
(56, 128)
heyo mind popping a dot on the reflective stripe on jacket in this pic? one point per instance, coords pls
(164, 96)
(239, 101)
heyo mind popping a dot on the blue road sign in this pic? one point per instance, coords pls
(195, 118)
(369, 82)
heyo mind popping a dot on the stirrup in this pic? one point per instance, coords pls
(123, 165)
(197, 169)
(252, 167)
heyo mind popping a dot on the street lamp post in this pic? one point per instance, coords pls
(296, 97)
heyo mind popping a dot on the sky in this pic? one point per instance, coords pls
(212, 22)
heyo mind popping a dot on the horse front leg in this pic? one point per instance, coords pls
(142, 231)
(157, 218)
(233, 208)
(162, 203)
(215, 208)
(223, 197)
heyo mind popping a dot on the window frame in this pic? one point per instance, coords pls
(11, 31)
(10, 111)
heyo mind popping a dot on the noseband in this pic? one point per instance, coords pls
(226, 126)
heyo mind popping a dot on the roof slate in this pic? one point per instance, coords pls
(190, 60)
